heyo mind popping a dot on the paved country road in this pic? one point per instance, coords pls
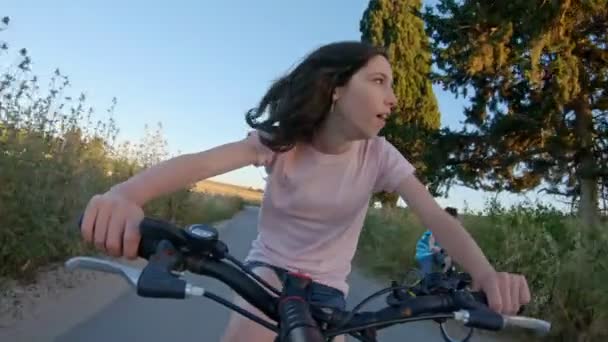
(131, 318)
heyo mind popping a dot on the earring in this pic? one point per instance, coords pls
(333, 106)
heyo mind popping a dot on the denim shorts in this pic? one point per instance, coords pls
(320, 294)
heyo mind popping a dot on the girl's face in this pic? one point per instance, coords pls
(365, 102)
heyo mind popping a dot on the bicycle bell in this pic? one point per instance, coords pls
(201, 237)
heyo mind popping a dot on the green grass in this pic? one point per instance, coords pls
(388, 242)
(26, 248)
(566, 264)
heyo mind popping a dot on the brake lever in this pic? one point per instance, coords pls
(130, 274)
(158, 279)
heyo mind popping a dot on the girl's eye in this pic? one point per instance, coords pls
(379, 80)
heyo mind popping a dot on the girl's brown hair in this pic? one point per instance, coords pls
(297, 103)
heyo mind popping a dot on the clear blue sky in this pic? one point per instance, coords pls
(195, 66)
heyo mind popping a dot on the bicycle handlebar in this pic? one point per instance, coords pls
(197, 249)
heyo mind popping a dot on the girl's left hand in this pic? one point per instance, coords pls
(506, 292)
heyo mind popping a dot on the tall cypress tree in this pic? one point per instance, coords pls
(394, 25)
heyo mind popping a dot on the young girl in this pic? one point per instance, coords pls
(320, 146)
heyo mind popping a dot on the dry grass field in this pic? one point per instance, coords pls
(250, 195)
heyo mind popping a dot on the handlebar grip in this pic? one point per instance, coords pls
(152, 231)
(485, 320)
(480, 296)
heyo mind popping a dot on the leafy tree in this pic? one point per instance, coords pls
(538, 75)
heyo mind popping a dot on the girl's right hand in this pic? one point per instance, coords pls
(111, 222)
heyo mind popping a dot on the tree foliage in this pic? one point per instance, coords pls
(536, 75)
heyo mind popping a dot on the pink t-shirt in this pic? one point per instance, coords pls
(314, 205)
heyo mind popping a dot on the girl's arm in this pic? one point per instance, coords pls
(111, 219)
(448, 231)
(181, 171)
(505, 292)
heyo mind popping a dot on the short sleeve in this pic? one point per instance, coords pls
(264, 155)
(393, 167)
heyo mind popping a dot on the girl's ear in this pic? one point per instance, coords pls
(334, 98)
(337, 93)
